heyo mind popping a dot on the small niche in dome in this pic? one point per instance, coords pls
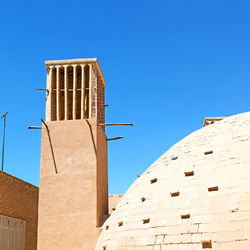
(120, 223)
(107, 227)
(206, 243)
(173, 194)
(211, 189)
(174, 158)
(154, 180)
(145, 221)
(208, 152)
(143, 199)
(185, 216)
(189, 173)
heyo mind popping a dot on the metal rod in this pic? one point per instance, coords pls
(50, 142)
(106, 105)
(116, 124)
(3, 116)
(34, 127)
(116, 138)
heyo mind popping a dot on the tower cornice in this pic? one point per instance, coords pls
(78, 61)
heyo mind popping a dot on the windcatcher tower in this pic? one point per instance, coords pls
(73, 195)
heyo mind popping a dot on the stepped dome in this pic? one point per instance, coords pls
(195, 196)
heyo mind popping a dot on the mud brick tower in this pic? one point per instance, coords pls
(73, 196)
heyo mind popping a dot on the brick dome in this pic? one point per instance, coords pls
(195, 196)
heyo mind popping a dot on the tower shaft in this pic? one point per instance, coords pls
(73, 195)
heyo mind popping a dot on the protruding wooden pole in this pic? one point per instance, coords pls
(116, 138)
(34, 127)
(116, 124)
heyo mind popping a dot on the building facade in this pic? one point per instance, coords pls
(18, 214)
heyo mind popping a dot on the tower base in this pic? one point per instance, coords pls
(73, 194)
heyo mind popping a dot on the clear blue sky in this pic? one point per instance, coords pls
(167, 64)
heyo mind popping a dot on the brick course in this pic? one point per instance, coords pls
(19, 199)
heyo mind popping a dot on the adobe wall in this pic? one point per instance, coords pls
(19, 199)
(101, 177)
(100, 100)
(72, 201)
(113, 201)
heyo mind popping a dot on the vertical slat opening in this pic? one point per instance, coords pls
(74, 92)
(70, 92)
(65, 94)
(62, 94)
(86, 92)
(78, 91)
(82, 92)
(53, 94)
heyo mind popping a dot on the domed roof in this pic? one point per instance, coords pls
(195, 196)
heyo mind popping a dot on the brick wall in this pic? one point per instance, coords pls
(93, 92)
(73, 202)
(100, 100)
(113, 201)
(97, 96)
(19, 199)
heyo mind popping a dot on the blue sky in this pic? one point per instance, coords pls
(167, 64)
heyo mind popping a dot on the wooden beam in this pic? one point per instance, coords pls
(43, 89)
(116, 124)
(116, 138)
(34, 127)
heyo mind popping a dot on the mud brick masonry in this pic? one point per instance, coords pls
(195, 196)
(19, 200)
(73, 198)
